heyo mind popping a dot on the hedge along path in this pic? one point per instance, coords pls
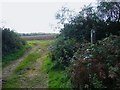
(33, 76)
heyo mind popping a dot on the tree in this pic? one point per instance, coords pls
(109, 12)
(104, 20)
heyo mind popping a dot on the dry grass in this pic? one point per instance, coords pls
(40, 37)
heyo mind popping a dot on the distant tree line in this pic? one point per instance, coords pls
(33, 34)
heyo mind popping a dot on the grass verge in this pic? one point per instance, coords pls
(56, 78)
(15, 80)
(25, 64)
(14, 55)
(18, 53)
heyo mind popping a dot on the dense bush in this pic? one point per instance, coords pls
(101, 68)
(10, 41)
(63, 50)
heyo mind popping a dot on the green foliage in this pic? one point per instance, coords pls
(102, 69)
(77, 30)
(104, 19)
(96, 82)
(12, 46)
(92, 66)
(62, 51)
(110, 47)
(14, 55)
(10, 42)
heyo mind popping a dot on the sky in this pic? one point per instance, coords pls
(25, 16)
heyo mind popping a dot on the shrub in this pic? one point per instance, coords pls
(10, 41)
(101, 68)
(62, 51)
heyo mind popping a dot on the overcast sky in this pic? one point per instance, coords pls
(33, 16)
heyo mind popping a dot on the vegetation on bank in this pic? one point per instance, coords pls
(12, 46)
(90, 63)
(10, 41)
(14, 55)
(98, 65)
(57, 78)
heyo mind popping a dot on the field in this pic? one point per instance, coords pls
(40, 37)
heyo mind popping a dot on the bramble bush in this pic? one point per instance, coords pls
(102, 69)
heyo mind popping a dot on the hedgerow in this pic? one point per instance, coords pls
(11, 42)
(102, 69)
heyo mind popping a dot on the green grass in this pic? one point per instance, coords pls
(14, 55)
(14, 81)
(25, 64)
(18, 74)
(44, 43)
(56, 78)
(18, 53)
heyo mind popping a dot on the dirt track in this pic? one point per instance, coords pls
(31, 74)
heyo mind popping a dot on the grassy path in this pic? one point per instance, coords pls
(7, 71)
(26, 71)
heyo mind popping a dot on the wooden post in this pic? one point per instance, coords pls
(92, 36)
